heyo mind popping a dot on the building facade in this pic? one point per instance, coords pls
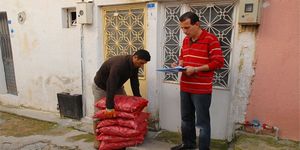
(50, 46)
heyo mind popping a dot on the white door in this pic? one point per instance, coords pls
(217, 18)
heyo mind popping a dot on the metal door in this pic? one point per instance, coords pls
(124, 33)
(7, 56)
(218, 18)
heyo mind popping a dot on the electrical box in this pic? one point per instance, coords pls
(250, 12)
(84, 11)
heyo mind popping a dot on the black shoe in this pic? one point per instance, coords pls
(183, 147)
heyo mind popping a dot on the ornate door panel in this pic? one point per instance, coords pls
(124, 34)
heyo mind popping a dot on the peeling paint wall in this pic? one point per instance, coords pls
(241, 76)
(243, 72)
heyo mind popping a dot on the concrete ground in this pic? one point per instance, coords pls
(27, 129)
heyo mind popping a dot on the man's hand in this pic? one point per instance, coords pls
(190, 70)
(110, 113)
(174, 64)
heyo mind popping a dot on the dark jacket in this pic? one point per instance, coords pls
(113, 74)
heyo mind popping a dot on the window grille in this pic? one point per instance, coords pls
(216, 19)
(171, 46)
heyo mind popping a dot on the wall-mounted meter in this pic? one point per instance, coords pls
(250, 12)
(84, 11)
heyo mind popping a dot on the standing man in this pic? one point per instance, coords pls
(201, 55)
(111, 76)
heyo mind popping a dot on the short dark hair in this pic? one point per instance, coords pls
(142, 54)
(189, 15)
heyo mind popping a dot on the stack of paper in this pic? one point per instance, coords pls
(173, 70)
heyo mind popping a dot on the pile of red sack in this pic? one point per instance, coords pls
(129, 126)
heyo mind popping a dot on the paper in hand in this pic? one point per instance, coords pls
(172, 70)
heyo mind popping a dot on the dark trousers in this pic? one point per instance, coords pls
(199, 103)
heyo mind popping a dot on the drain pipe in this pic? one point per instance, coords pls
(82, 69)
(80, 13)
(258, 127)
(273, 128)
(276, 132)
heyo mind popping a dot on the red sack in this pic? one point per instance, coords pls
(125, 103)
(123, 131)
(101, 115)
(132, 123)
(116, 139)
(110, 146)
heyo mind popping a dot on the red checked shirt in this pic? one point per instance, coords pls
(205, 50)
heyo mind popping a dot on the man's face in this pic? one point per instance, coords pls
(189, 29)
(138, 63)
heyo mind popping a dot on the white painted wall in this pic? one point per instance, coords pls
(93, 57)
(170, 118)
(153, 77)
(49, 59)
(46, 56)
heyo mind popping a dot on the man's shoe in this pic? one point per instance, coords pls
(96, 144)
(183, 147)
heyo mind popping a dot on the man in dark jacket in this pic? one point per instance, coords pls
(113, 73)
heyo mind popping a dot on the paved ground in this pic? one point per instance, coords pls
(19, 133)
(26, 129)
(47, 131)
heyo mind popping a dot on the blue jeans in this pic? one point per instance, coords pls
(189, 104)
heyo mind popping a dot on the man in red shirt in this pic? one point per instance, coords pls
(201, 55)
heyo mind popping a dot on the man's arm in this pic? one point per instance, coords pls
(180, 61)
(215, 55)
(111, 87)
(135, 85)
(216, 58)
